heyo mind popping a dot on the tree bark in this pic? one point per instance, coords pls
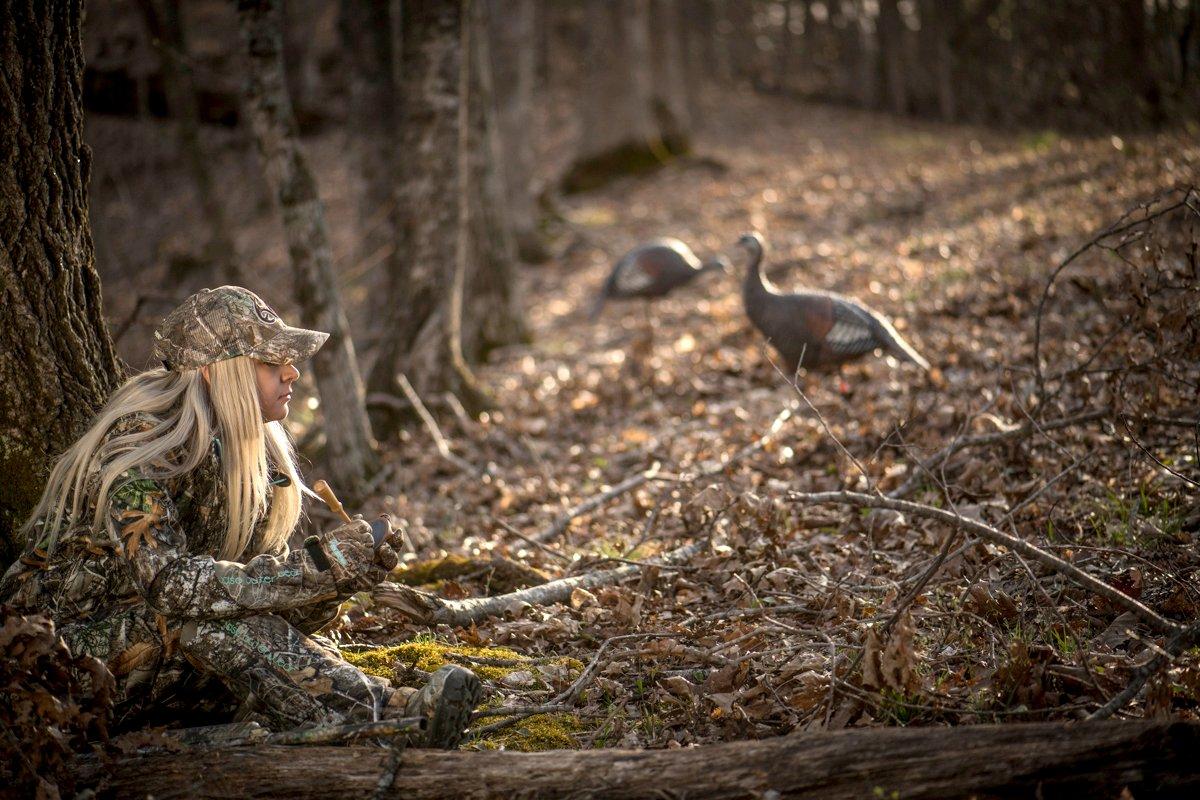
(511, 31)
(938, 20)
(428, 285)
(627, 128)
(1047, 759)
(495, 295)
(370, 42)
(890, 32)
(164, 21)
(349, 448)
(57, 364)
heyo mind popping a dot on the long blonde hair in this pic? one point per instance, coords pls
(184, 410)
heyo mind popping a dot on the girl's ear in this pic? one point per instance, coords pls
(204, 374)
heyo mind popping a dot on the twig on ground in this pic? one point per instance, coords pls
(940, 457)
(1055, 563)
(439, 441)
(1180, 641)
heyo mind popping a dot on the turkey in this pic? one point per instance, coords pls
(816, 329)
(653, 270)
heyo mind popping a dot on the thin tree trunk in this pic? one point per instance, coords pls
(1042, 759)
(513, 60)
(890, 31)
(495, 293)
(349, 449)
(165, 24)
(369, 40)
(783, 68)
(938, 18)
(57, 364)
(671, 89)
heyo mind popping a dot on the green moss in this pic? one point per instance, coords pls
(533, 734)
(428, 654)
(628, 158)
(541, 732)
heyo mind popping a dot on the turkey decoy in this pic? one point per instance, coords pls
(816, 329)
(653, 270)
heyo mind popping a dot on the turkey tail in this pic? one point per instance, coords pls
(905, 352)
(901, 349)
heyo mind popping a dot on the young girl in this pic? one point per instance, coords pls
(159, 545)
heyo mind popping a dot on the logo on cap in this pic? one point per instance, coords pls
(264, 313)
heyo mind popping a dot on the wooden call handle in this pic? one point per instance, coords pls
(322, 489)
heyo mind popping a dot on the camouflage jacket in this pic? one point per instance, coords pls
(162, 550)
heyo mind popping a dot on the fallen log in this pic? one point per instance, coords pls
(1049, 759)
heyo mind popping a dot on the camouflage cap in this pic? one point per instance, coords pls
(216, 324)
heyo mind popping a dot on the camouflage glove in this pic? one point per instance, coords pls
(352, 557)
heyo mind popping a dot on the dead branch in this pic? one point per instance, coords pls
(1021, 760)
(1182, 640)
(941, 456)
(430, 609)
(1123, 225)
(996, 537)
(592, 503)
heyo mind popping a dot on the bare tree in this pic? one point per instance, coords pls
(57, 364)
(349, 445)
(164, 22)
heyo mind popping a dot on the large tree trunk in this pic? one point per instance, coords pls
(57, 364)
(1050, 759)
(370, 40)
(349, 447)
(890, 31)
(625, 129)
(164, 21)
(428, 340)
(511, 30)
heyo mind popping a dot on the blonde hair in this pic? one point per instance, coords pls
(183, 411)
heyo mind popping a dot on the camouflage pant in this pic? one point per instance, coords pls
(273, 671)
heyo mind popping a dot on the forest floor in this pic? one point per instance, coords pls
(778, 623)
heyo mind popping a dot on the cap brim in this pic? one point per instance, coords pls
(290, 345)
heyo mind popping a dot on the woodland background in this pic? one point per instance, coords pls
(444, 186)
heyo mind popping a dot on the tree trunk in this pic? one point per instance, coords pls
(428, 340)
(890, 30)
(369, 41)
(938, 19)
(1046, 759)
(57, 364)
(670, 87)
(349, 447)
(164, 22)
(494, 295)
(783, 64)
(511, 31)
(625, 130)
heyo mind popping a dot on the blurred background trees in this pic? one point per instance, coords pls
(559, 97)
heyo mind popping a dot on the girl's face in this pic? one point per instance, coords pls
(274, 388)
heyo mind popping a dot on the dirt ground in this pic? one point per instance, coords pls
(952, 232)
